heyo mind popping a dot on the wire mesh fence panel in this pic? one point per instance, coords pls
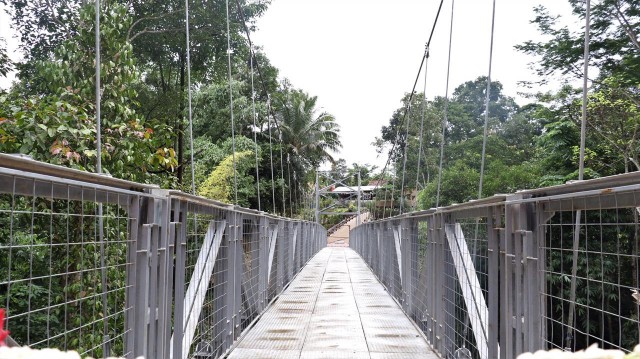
(205, 275)
(422, 260)
(65, 254)
(114, 268)
(250, 292)
(465, 287)
(593, 239)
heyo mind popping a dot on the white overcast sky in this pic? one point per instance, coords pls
(360, 56)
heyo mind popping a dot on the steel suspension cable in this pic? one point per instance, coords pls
(486, 103)
(393, 187)
(583, 135)
(273, 186)
(422, 115)
(255, 127)
(484, 143)
(190, 113)
(269, 108)
(404, 159)
(233, 127)
(98, 94)
(393, 146)
(446, 106)
(393, 191)
(284, 199)
(103, 271)
(289, 175)
(422, 63)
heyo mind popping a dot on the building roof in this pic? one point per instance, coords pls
(353, 189)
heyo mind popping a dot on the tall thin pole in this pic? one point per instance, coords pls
(446, 107)
(585, 88)
(255, 127)
(98, 94)
(317, 198)
(233, 127)
(583, 132)
(103, 272)
(358, 220)
(284, 199)
(404, 155)
(193, 171)
(273, 184)
(422, 115)
(486, 104)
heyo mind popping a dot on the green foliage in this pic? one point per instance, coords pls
(459, 185)
(6, 65)
(58, 126)
(209, 155)
(211, 116)
(51, 281)
(219, 184)
(614, 45)
(310, 136)
(51, 129)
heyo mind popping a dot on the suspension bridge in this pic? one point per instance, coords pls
(165, 274)
(108, 267)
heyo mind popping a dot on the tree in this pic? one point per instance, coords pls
(219, 184)
(511, 138)
(6, 65)
(310, 136)
(212, 117)
(614, 100)
(614, 46)
(58, 126)
(42, 26)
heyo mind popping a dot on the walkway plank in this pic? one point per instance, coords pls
(335, 308)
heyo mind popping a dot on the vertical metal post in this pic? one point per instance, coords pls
(433, 258)
(380, 258)
(493, 221)
(152, 319)
(540, 235)
(234, 277)
(439, 290)
(449, 295)
(165, 280)
(142, 294)
(317, 198)
(517, 237)
(506, 287)
(280, 257)
(98, 94)
(132, 268)
(358, 220)
(291, 251)
(407, 279)
(179, 226)
(263, 248)
(251, 258)
(412, 268)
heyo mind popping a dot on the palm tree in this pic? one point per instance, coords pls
(308, 136)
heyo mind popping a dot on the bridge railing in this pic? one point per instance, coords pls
(495, 278)
(110, 267)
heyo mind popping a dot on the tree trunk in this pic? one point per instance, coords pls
(163, 83)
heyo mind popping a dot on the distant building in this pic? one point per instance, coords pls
(368, 192)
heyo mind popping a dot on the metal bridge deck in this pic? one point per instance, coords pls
(335, 308)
